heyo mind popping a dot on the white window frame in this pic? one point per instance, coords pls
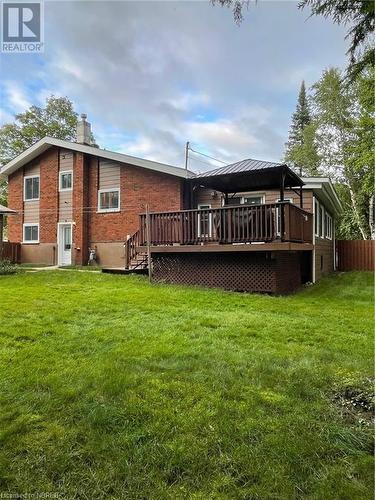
(323, 225)
(24, 187)
(242, 197)
(29, 224)
(329, 227)
(316, 217)
(205, 206)
(60, 180)
(109, 190)
(287, 199)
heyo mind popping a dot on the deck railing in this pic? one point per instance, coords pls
(227, 225)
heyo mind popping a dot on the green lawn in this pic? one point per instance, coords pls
(113, 388)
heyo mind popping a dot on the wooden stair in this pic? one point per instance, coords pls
(135, 261)
(139, 261)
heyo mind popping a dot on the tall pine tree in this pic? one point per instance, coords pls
(301, 151)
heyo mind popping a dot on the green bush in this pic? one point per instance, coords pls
(6, 267)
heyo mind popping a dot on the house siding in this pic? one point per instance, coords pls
(204, 196)
(107, 232)
(138, 188)
(65, 197)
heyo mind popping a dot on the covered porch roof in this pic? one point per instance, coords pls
(249, 175)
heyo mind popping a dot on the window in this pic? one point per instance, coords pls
(204, 222)
(109, 200)
(252, 200)
(66, 181)
(278, 215)
(328, 227)
(31, 233)
(249, 199)
(31, 188)
(319, 220)
(316, 214)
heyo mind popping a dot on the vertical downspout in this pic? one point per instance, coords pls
(56, 249)
(313, 252)
(334, 243)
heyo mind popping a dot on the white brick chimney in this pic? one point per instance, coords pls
(84, 131)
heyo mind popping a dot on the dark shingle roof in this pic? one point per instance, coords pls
(241, 166)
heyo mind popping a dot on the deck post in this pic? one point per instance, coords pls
(148, 237)
(300, 197)
(1, 235)
(282, 206)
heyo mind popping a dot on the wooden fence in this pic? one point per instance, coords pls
(10, 251)
(355, 255)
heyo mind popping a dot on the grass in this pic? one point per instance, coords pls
(113, 388)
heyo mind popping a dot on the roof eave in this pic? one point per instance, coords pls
(43, 144)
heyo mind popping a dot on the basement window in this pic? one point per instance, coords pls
(109, 200)
(31, 188)
(31, 233)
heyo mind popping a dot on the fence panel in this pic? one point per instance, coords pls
(11, 251)
(355, 255)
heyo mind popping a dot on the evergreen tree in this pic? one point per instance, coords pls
(300, 118)
(301, 151)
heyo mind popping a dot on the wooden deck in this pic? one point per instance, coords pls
(243, 228)
(248, 247)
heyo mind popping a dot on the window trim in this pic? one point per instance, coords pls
(323, 225)
(242, 196)
(61, 189)
(37, 176)
(199, 232)
(316, 214)
(109, 190)
(29, 242)
(329, 227)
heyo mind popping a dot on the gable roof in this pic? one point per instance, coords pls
(47, 142)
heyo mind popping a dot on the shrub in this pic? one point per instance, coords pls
(6, 267)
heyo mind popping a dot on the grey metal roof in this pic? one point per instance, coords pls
(241, 166)
(6, 210)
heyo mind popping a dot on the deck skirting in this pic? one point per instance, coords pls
(267, 272)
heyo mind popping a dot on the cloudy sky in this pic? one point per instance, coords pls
(152, 75)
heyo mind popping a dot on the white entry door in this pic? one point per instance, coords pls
(65, 245)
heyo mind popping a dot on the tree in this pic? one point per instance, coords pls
(345, 126)
(235, 5)
(305, 156)
(360, 16)
(301, 151)
(361, 151)
(57, 119)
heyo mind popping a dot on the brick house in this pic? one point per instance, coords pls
(252, 225)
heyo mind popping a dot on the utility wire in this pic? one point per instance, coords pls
(208, 156)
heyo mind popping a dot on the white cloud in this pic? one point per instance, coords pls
(16, 97)
(152, 75)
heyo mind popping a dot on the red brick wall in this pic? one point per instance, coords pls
(49, 201)
(138, 188)
(15, 201)
(81, 195)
